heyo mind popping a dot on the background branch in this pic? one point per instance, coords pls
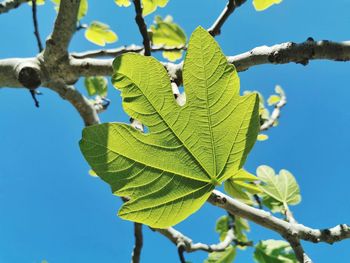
(7, 5)
(136, 253)
(142, 27)
(231, 6)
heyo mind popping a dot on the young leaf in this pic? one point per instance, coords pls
(125, 3)
(149, 6)
(168, 34)
(170, 172)
(274, 251)
(226, 256)
(273, 99)
(221, 227)
(282, 187)
(240, 186)
(261, 5)
(96, 86)
(263, 137)
(100, 34)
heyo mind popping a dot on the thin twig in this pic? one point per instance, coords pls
(181, 250)
(136, 253)
(215, 29)
(36, 26)
(142, 27)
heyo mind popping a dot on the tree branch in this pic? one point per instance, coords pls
(65, 26)
(122, 50)
(142, 27)
(275, 114)
(7, 5)
(215, 29)
(286, 229)
(177, 238)
(85, 108)
(135, 258)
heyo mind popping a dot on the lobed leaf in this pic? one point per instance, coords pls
(100, 34)
(261, 5)
(169, 172)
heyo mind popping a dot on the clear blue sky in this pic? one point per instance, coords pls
(50, 208)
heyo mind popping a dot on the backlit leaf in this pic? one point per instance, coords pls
(282, 187)
(273, 99)
(261, 5)
(170, 171)
(100, 34)
(96, 86)
(125, 3)
(166, 33)
(149, 6)
(226, 256)
(274, 251)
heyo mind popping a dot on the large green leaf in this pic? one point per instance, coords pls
(274, 251)
(170, 171)
(282, 187)
(261, 5)
(226, 256)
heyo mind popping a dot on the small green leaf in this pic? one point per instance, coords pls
(241, 227)
(282, 187)
(125, 3)
(96, 86)
(274, 251)
(273, 99)
(168, 34)
(170, 171)
(100, 34)
(221, 227)
(272, 204)
(263, 137)
(261, 5)
(149, 6)
(240, 186)
(226, 256)
(279, 90)
(83, 8)
(92, 173)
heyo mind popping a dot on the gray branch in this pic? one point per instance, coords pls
(122, 50)
(85, 108)
(65, 26)
(286, 229)
(177, 238)
(7, 5)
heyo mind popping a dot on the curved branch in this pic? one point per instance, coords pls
(85, 108)
(177, 238)
(7, 5)
(286, 229)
